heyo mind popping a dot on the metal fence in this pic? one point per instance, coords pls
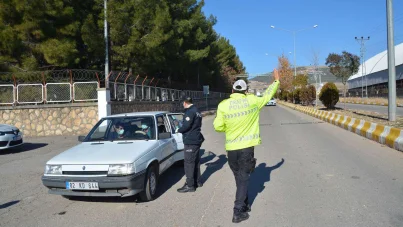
(29, 93)
(7, 94)
(65, 86)
(58, 92)
(85, 91)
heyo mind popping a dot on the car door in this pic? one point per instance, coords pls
(166, 146)
(175, 121)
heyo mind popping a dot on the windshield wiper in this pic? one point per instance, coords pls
(125, 142)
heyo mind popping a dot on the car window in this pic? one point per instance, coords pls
(176, 121)
(124, 128)
(161, 126)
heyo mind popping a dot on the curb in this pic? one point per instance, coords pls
(390, 136)
(207, 113)
(371, 103)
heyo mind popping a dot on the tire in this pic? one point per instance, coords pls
(150, 186)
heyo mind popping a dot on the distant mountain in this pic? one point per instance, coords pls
(322, 70)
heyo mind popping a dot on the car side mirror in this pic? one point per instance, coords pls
(164, 135)
(81, 138)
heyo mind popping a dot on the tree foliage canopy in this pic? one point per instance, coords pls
(285, 72)
(163, 38)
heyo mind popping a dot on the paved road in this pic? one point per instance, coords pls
(309, 173)
(372, 108)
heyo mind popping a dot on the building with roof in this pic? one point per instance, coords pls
(376, 75)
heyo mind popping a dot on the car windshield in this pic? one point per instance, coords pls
(123, 128)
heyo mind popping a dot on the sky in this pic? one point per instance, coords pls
(246, 23)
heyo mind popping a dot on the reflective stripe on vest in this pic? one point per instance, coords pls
(243, 138)
(241, 114)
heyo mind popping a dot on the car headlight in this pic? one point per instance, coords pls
(53, 169)
(121, 169)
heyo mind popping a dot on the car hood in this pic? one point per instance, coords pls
(106, 153)
(7, 128)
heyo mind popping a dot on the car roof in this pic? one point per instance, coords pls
(133, 114)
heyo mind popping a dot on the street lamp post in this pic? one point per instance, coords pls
(294, 33)
(106, 43)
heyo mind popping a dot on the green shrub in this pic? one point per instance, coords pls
(308, 95)
(290, 96)
(297, 96)
(283, 95)
(329, 95)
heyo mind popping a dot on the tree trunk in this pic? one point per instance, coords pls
(344, 94)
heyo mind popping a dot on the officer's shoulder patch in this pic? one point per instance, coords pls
(187, 119)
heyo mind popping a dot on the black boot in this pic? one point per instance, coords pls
(186, 188)
(246, 208)
(239, 216)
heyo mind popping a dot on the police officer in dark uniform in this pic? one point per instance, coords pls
(192, 139)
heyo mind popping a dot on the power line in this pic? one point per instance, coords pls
(362, 51)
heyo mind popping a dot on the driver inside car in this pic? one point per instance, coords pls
(145, 130)
(118, 132)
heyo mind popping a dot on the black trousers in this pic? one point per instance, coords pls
(192, 164)
(242, 163)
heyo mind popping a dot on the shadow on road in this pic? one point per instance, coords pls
(206, 156)
(171, 177)
(23, 148)
(213, 167)
(260, 176)
(9, 204)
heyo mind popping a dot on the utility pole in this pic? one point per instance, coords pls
(106, 44)
(391, 63)
(362, 51)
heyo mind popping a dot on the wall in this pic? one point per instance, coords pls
(47, 120)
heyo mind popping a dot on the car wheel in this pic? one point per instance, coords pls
(150, 187)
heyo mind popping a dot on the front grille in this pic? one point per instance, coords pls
(13, 143)
(85, 172)
(3, 143)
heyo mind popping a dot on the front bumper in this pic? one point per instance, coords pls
(108, 186)
(7, 141)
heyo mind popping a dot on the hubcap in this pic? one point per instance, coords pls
(153, 183)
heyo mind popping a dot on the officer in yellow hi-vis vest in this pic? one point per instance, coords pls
(238, 117)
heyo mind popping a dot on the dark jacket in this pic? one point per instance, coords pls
(191, 127)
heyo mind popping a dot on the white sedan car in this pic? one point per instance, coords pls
(10, 136)
(272, 102)
(123, 155)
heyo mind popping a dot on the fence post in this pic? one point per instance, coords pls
(45, 96)
(116, 86)
(135, 88)
(142, 88)
(72, 87)
(104, 106)
(126, 98)
(14, 91)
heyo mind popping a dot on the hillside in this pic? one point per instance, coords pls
(323, 71)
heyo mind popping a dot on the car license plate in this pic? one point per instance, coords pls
(82, 185)
(16, 138)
